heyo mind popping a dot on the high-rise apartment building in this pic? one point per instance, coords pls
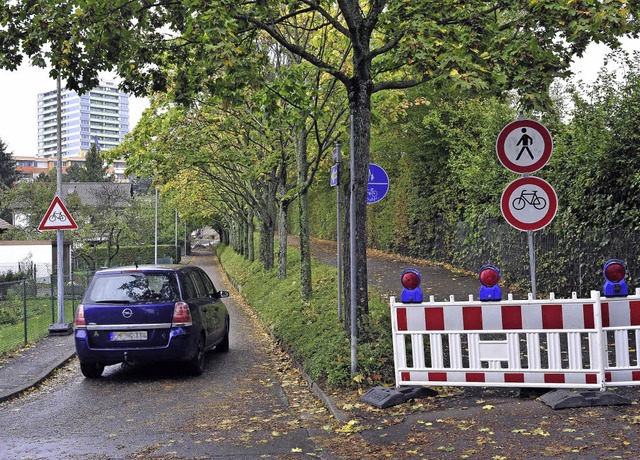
(99, 116)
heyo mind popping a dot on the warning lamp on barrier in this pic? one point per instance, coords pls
(489, 276)
(410, 280)
(614, 272)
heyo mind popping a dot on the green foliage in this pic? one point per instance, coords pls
(311, 331)
(93, 169)
(128, 255)
(8, 173)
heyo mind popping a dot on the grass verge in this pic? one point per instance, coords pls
(311, 331)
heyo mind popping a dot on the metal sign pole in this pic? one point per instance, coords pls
(532, 263)
(337, 158)
(60, 327)
(352, 255)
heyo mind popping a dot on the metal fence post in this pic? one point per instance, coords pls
(24, 309)
(53, 306)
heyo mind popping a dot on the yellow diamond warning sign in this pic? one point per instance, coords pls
(57, 217)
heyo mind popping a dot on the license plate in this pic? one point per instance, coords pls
(122, 336)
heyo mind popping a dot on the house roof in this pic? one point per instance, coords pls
(117, 194)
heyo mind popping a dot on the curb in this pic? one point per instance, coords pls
(314, 387)
(16, 391)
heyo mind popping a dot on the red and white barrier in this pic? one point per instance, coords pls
(570, 343)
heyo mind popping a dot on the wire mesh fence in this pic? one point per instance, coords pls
(566, 262)
(29, 306)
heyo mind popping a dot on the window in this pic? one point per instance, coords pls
(197, 281)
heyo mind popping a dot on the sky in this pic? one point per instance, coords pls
(19, 107)
(19, 98)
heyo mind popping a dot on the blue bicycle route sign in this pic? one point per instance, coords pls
(378, 184)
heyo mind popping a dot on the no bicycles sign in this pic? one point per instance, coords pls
(529, 203)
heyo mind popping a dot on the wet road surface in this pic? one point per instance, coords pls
(249, 403)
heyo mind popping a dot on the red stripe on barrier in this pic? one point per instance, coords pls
(514, 378)
(591, 378)
(552, 317)
(604, 311)
(405, 376)
(635, 375)
(511, 317)
(437, 376)
(401, 316)
(553, 378)
(474, 376)
(472, 318)
(607, 377)
(635, 313)
(434, 318)
(587, 313)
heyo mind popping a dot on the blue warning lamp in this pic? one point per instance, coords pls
(410, 280)
(489, 275)
(614, 272)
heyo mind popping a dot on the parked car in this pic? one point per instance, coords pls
(150, 313)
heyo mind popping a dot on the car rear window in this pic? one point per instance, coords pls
(132, 287)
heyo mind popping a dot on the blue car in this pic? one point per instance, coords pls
(150, 313)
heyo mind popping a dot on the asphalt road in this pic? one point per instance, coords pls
(249, 403)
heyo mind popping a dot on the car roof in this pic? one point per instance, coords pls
(141, 268)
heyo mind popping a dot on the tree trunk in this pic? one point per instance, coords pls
(283, 206)
(360, 103)
(251, 231)
(303, 217)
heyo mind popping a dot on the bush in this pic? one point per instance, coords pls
(311, 331)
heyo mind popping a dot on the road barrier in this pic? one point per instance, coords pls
(554, 343)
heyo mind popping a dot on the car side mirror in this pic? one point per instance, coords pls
(223, 294)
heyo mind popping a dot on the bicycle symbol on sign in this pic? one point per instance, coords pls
(530, 198)
(372, 195)
(57, 216)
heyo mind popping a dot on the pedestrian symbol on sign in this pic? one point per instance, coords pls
(525, 140)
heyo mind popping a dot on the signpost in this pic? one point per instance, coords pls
(524, 146)
(335, 182)
(58, 218)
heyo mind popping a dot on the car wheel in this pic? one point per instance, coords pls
(224, 345)
(92, 370)
(195, 365)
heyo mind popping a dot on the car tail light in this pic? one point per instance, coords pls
(181, 315)
(80, 322)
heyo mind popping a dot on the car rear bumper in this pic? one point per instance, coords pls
(182, 345)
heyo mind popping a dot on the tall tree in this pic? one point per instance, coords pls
(8, 173)
(95, 170)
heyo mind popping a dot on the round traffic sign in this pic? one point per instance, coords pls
(378, 184)
(529, 203)
(524, 146)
